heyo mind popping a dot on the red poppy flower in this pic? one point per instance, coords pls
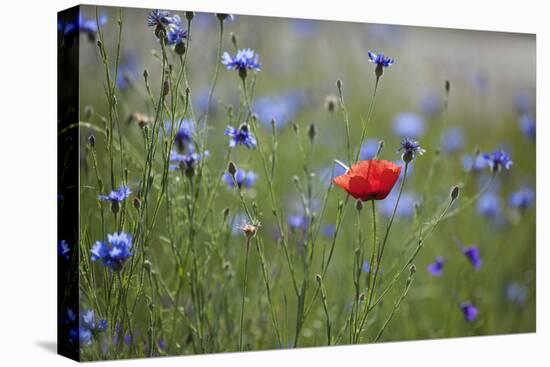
(369, 180)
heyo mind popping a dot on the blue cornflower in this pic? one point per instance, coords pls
(298, 222)
(452, 140)
(327, 174)
(244, 60)
(516, 293)
(380, 60)
(469, 310)
(184, 136)
(475, 163)
(436, 268)
(87, 26)
(186, 162)
(431, 104)
(162, 18)
(63, 249)
(282, 108)
(488, 204)
(473, 255)
(498, 159)
(117, 195)
(523, 198)
(114, 252)
(90, 327)
(522, 101)
(243, 178)
(410, 149)
(408, 125)
(406, 207)
(176, 35)
(368, 149)
(366, 267)
(241, 136)
(328, 230)
(528, 126)
(128, 72)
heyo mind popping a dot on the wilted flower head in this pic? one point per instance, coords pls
(469, 310)
(523, 198)
(249, 228)
(331, 102)
(243, 178)
(114, 252)
(244, 60)
(118, 195)
(140, 119)
(498, 159)
(408, 125)
(410, 148)
(240, 136)
(436, 268)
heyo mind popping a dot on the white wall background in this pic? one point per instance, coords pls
(28, 182)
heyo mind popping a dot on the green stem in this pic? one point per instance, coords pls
(245, 280)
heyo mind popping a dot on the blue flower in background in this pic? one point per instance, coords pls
(498, 159)
(298, 222)
(328, 230)
(241, 136)
(89, 327)
(245, 59)
(522, 101)
(473, 255)
(406, 207)
(436, 268)
(523, 198)
(184, 135)
(516, 293)
(366, 267)
(475, 163)
(368, 149)
(408, 125)
(187, 162)
(281, 108)
(469, 310)
(63, 249)
(327, 175)
(480, 80)
(117, 195)
(528, 126)
(452, 140)
(488, 205)
(243, 178)
(431, 104)
(114, 252)
(380, 59)
(305, 27)
(84, 25)
(128, 72)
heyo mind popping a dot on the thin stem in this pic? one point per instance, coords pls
(245, 279)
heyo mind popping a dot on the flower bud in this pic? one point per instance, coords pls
(359, 205)
(137, 203)
(339, 84)
(447, 86)
(221, 16)
(311, 132)
(189, 15)
(454, 193)
(115, 206)
(408, 156)
(88, 111)
(145, 74)
(234, 40)
(180, 48)
(165, 88)
(379, 71)
(318, 278)
(232, 168)
(330, 103)
(225, 214)
(91, 140)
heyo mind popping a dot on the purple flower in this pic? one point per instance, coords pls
(523, 198)
(162, 18)
(298, 222)
(498, 159)
(410, 148)
(328, 230)
(243, 178)
(488, 205)
(408, 125)
(241, 136)
(63, 250)
(89, 327)
(186, 162)
(282, 108)
(452, 140)
(436, 268)
(117, 195)
(522, 101)
(406, 207)
(469, 310)
(114, 252)
(431, 104)
(528, 126)
(516, 293)
(473, 255)
(369, 148)
(474, 163)
(380, 60)
(245, 59)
